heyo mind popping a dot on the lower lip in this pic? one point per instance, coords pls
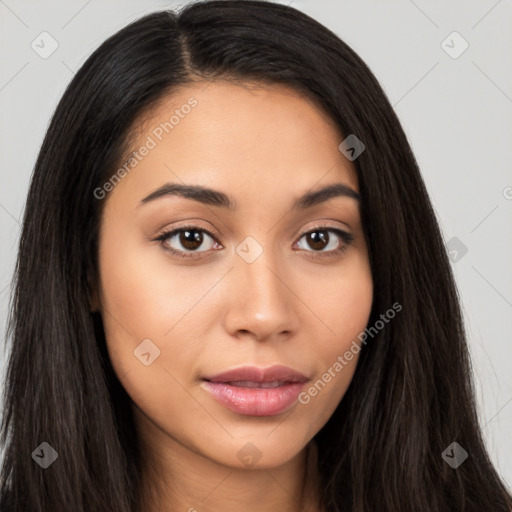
(255, 401)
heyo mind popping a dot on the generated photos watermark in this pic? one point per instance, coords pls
(343, 360)
(152, 141)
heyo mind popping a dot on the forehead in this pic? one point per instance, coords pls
(238, 134)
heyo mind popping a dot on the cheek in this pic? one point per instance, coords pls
(135, 301)
(344, 304)
(150, 356)
(144, 298)
(128, 294)
(346, 307)
(138, 294)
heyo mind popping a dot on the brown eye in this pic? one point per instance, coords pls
(322, 240)
(317, 240)
(187, 241)
(190, 239)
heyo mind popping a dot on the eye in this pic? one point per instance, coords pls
(187, 240)
(320, 241)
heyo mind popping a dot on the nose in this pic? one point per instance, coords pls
(261, 302)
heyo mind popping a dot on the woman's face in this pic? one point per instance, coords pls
(275, 283)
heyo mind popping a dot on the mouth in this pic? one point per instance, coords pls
(254, 384)
(253, 391)
(253, 374)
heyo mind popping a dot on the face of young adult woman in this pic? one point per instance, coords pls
(269, 280)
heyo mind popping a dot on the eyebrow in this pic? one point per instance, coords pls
(212, 197)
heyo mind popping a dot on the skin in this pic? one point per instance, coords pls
(264, 146)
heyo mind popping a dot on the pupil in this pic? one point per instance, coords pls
(191, 239)
(318, 239)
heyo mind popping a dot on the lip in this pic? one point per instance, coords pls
(256, 401)
(272, 373)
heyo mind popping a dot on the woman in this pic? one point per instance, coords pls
(231, 290)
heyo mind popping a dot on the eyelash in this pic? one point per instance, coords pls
(162, 237)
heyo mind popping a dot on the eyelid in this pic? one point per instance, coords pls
(326, 226)
(346, 240)
(192, 225)
(166, 233)
(346, 237)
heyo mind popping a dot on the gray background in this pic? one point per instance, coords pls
(457, 114)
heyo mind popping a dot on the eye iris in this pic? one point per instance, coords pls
(318, 239)
(191, 239)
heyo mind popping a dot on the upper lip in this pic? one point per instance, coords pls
(256, 374)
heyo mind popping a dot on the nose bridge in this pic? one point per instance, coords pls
(261, 302)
